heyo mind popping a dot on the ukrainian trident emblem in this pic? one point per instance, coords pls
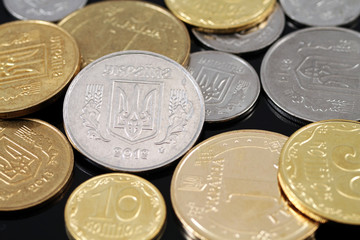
(134, 110)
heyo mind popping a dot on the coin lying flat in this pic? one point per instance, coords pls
(248, 40)
(314, 74)
(133, 111)
(319, 170)
(226, 188)
(322, 13)
(115, 206)
(37, 61)
(112, 26)
(36, 162)
(223, 16)
(47, 10)
(229, 84)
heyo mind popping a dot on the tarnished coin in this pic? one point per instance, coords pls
(249, 40)
(322, 13)
(133, 111)
(47, 10)
(319, 170)
(222, 16)
(226, 188)
(229, 84)
(314, 74)
(36, 162)
(106, 27)
(37, 61)
(115, 206)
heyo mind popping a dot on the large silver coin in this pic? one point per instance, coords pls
(314, 74)
(322, 12)
(229, 84)
(250, 40)
(47, 10)
(133, 111)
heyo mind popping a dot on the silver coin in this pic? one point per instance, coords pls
(250, 40)
(314, 74)
(133, 111)
(47, 10)
(322, 12)
(229, 84)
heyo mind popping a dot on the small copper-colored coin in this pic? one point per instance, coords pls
(36, 162)
(115, 206)
(37, 61)
(319, 170)
(226, 188)
(221, 16)
(106, 27)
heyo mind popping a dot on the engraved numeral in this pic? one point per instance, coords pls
(128, 153)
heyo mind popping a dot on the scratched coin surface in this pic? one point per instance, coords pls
(322, 13)
(37, 61)
(47, 10)
(133, 111)
(229, 84)
(36, 162)
(115, 206)
(226, 188)
(249, 40)
(106, 27)
(314, 74)
(319, 170)
(222, 16)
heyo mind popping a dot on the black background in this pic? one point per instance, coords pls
(47, 221)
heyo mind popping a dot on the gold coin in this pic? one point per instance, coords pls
(112, 26)
(115, 206)
(221, 16)
(37, 61)
(36, 162)
(226, 188)
(319, 170)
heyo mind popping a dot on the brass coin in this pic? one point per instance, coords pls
(221, 16)
(226, 188)
(106, 27)
(115, 206)
(37, 61)
(319, 170)
(36, 162)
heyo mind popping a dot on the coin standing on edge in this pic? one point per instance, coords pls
(226, 188)
(106, 27)
(314, 74)
(322, 13)
(229, 84)
(222, 16)
(249, 40)
(49, 10)
(36, 162)
(319, 170)
(133, 111)
(37, 61)
(115, 206)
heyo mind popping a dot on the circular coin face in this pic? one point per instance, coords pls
(322, 13)
(37, 61)
(36, 162)
(112, 26)
(133, 111)
(221, 16)
(319, 170)
(229, 84)
(314, 74)
(226, 188)
(47, 10)
(248, 40)
(115, 206)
